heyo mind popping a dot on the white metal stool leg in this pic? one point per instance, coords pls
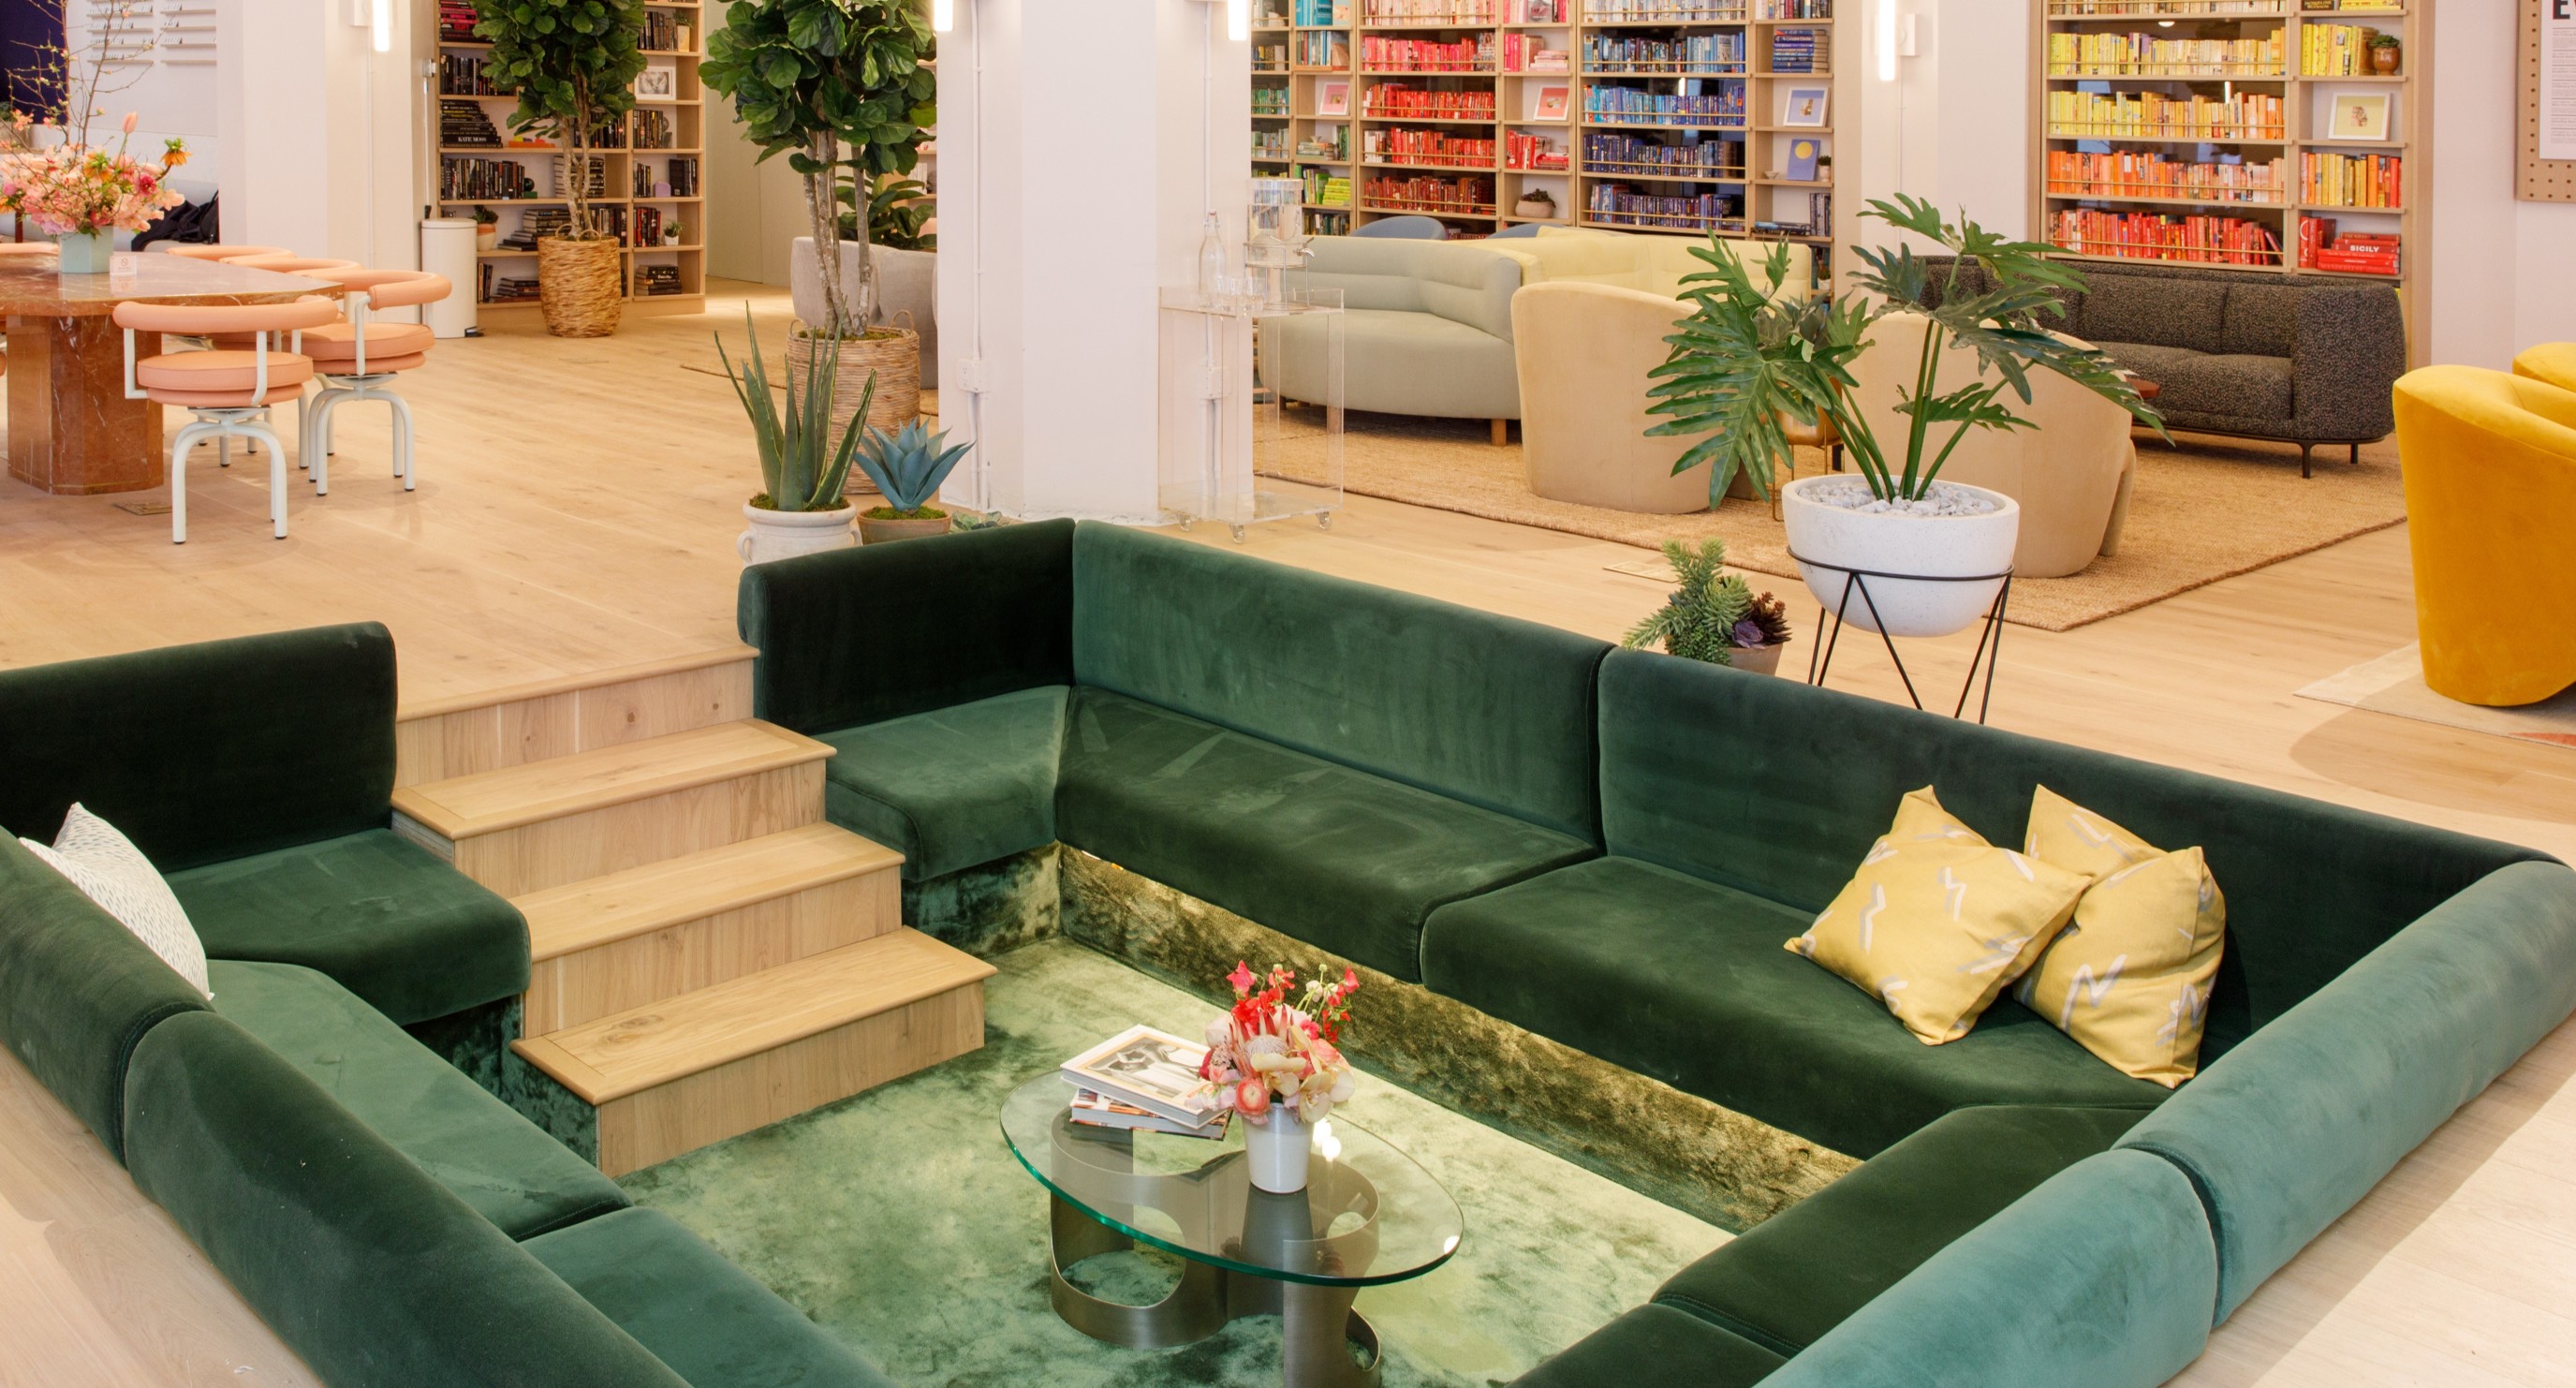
(188, 437)
(253, 429)
(403, 441)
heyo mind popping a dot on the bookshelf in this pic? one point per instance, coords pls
(2205, 131)
(650, 172)
(1672, 116)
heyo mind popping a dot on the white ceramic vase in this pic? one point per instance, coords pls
(1277, 1150)
(787, 534)
(1831, 541)
(83, 253)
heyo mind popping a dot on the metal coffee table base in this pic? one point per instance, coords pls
(1317, 1324)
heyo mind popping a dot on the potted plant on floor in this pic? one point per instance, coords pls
(572, 64)
(1714, 616)
(840, 88)
(902, 247)
(1744, 364)
(908, 467)
(803, 469)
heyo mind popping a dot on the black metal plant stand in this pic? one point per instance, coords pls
(1990, 642)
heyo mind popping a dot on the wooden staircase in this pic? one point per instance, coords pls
(709, 955)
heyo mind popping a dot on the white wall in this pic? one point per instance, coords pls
(320, 134)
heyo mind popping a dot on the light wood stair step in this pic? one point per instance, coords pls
(436, 739)
(604, 944)
(675, 1075)
(524, 828)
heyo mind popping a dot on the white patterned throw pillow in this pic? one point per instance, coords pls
(111, 871)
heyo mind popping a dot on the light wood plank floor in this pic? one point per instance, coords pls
(577, 510)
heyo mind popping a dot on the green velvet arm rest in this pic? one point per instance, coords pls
(2293, 1127)
(861, 635)
(2103, 1277)
(207, 752)
(366, 1267)
(77, 991)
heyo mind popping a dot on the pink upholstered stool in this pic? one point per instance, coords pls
(358, 359)
(229, 392)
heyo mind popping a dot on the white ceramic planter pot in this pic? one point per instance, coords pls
(1830, 541)
(907, 283)
(1277, 1151)
(787, 534)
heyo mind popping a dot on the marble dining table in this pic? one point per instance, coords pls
(72, 432)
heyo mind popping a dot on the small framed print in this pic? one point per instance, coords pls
(1804, 105)
(1551, 104)
(659, 81)
(1332, 98)
(2360, 116)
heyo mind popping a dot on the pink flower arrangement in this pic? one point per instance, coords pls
(71, 190)
(1268, 1052)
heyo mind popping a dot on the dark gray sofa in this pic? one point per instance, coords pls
(2300, 358)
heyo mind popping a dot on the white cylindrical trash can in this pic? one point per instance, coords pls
(447, 248)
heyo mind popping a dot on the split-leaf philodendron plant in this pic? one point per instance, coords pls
(1748, 360)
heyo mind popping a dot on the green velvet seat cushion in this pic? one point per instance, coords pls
(375, 1274)
(1686, 981)
(2103, 1276)
(2293, 1127)
(1655, 1345)
(205, 752)
(954, 787)
(861, 635)
(468, 1141)
(699, 1314)
(1488, 710)
(1798, 1274)
(385, 917)
(1336, 857)
(77, 991)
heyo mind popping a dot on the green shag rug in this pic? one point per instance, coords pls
(900, 1222)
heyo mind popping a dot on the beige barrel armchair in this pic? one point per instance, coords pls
(2072, 473)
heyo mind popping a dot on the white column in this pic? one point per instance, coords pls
(1079, 148)
(319, 133)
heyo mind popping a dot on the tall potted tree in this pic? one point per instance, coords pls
(839, 87)
(572, 64)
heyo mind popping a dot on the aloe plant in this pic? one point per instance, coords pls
(795, 466)
(908, 467)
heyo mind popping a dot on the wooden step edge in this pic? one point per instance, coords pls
(958, 969)
(409, 710)
(545, 942)
(421, 804)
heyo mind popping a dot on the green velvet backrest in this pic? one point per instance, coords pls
(861, 635)
(77, 991)
(207, 752)
(1778, 788)
(2101, 1277)
(361, 1263)
(2290, 1129)
(1488, 710)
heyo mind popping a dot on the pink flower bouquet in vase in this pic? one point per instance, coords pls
(1280, 1066)
(84, 196)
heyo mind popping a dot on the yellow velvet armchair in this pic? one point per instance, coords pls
(2553, 362)
(2490, 468)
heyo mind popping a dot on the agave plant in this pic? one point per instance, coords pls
(908, 467)
(802, 469)
(1745, 361)
(1711, 613)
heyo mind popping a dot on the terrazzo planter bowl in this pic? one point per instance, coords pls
(885, 530)
(1831, 540)
(786, 534)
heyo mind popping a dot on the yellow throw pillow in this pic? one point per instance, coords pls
(2131, 977)
(1938, 922)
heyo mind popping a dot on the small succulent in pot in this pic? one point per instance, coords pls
(908, 467)
(1713, 616)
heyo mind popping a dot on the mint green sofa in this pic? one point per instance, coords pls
(1427, 329)
(1608, 848)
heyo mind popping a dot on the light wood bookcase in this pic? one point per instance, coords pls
(1755, 197)
(686, 114)
(2307, 103)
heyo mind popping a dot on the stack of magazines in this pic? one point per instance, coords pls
(1142, 1079)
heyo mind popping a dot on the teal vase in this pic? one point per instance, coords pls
(85, 253)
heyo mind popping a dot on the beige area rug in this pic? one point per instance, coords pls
(2394, 684)
(2210, 510)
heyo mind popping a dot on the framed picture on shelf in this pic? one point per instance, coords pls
(659, 81)
(1551, 104)
(1332, 98)
(1804, 105)
(1802, 159)
(2359, 116)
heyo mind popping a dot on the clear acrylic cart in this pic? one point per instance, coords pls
(1251, 424)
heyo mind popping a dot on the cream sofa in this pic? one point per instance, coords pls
(1588, 324)
(2071, 474)
(1427, 329)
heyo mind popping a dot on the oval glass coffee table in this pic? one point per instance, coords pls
(1368, 1215)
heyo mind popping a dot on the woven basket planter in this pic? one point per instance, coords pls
(578, 286)
(894, 354)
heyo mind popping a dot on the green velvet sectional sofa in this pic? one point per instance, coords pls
(388, 1217)
(1608, 848)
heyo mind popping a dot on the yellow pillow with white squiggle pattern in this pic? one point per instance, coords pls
(1938, 922)
(2130, 978)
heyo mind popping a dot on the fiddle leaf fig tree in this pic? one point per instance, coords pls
(572, 64)
(840, 88)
